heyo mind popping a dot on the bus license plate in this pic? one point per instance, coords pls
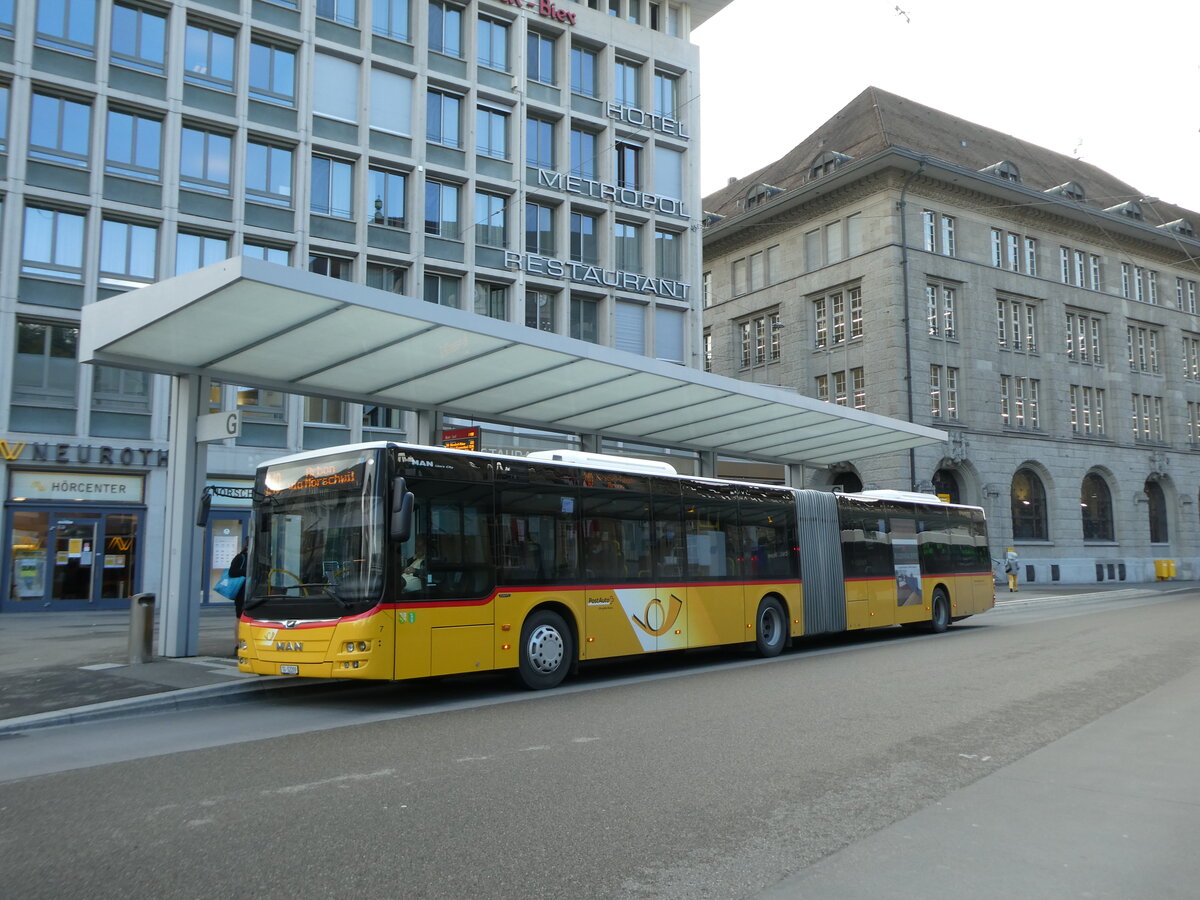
(289, 670)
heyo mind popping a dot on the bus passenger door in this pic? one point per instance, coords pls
(669, 611)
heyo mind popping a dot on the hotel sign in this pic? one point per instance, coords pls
(598, 190)
(544, 8)
(582, 273)
(639, 118)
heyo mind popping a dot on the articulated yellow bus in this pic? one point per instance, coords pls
(394, 561)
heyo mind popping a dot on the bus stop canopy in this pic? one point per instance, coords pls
(248, 322)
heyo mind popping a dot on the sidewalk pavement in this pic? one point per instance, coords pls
(63, 667)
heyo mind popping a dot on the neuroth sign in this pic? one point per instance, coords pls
(545, 9)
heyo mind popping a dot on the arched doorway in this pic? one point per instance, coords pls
(1095, 508)
(1159, 531)
(1028, 506)
(945, 484)
(848, 483)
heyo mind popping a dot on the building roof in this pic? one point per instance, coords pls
(248, 322)
(876, 121)
(703, 10)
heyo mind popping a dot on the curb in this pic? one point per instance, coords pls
(1123, 594)
(167, 701)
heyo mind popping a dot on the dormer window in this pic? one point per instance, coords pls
(761, 193)
(1180, 226)
(826, 163)
(1072, 190)
(1130, 208)
(1004, 170)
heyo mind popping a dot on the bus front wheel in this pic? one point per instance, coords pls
(770, 631)
(547, 651)
(941, 612)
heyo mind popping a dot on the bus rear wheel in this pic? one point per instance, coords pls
(547, 651)
(941, 612)
(770, 630)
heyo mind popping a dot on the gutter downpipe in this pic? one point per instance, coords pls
(908, 373)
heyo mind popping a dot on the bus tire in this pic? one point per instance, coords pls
(941, 612)
(770, 627)
(547, 651)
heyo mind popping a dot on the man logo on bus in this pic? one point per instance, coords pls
(657, 620)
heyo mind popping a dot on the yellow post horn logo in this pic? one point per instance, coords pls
(655, 613)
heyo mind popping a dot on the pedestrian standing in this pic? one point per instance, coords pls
(237, 569)
(1011, 568)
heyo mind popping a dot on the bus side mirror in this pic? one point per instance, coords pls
(402, 509)
(202, 509)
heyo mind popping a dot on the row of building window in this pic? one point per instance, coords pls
(60, 132)
(838, 318)
(842, 239)
(45, 369)
(54, 240)
(139, 41)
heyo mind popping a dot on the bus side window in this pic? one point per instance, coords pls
(616, 531)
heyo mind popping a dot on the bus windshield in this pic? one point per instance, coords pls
(319, 538)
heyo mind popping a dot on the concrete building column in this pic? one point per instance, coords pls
(429, 428)
(183, 551)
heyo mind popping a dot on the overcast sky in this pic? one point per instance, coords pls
(1117, 85)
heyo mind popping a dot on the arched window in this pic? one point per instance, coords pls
(1158, 513)
(826, 162)
(1028, 506)
(946, 483)
(1095, 502)
(1005, 169)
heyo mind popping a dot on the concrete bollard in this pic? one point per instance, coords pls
(141, 628)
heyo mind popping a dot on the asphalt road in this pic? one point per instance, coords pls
(721, 777)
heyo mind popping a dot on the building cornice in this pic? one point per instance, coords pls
(1118, 230)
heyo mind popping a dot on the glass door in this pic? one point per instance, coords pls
(71, 559)
(227, 533)
(74, 560)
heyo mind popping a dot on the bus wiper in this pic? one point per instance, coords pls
(327, 589)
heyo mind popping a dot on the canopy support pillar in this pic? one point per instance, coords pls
(183, 551)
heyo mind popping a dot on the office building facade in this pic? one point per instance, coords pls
(534, 162)
(1044, 313)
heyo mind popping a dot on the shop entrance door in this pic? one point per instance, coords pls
(227, 532)
(74, 558)
(70, 560)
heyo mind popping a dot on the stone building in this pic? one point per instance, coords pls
(1041, 311)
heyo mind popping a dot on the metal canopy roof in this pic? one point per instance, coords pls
(248, 322)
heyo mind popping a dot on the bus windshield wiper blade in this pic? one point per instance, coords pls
(328, 589)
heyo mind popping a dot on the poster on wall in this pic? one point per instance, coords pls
(224, 549)
(30, 574)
